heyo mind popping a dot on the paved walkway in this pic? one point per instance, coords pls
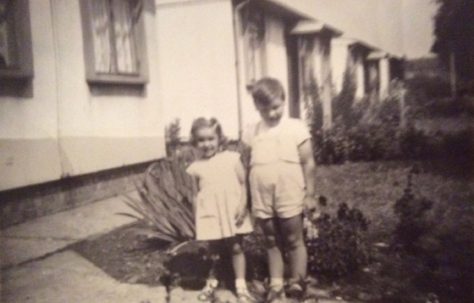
(37, 265)
(45, 235)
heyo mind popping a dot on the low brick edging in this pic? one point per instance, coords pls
(30, 202)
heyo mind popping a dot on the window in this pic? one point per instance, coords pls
(252, 25)
(114, 41)
(16, 60)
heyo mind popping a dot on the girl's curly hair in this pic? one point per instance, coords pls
(211, 123)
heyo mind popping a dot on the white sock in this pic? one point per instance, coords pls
(240, 284)
(276, 283)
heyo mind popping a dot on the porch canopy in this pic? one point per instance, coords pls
(307, 27)
(280, 8)
(363, 46)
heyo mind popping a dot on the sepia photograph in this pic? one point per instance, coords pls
(236, 151)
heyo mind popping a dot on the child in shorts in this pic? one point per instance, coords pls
(281, 181)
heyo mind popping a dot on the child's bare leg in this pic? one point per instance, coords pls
(213, 255)
(292, 234)
(274, 253)
(238, 257)
(207, 293)
(238, 262)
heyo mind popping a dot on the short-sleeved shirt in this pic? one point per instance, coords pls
(278, 143)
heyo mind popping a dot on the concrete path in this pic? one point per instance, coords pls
(37, 267)
(67, 277)
(45, 235)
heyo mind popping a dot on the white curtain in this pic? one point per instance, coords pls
(101, 35)
(113, 36)
(124, 40)
(254, 43)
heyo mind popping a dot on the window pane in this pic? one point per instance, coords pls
(124, 36)
(7, 35)
(253, 25)
(114, 46)
(100, 22)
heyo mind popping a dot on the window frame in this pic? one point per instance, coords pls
(22, 31)
(94, 77)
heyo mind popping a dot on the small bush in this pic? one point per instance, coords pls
(341, 247)
(412, 221)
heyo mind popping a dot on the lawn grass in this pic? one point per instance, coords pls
(373, 187)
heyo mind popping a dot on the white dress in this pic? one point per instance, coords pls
(219, 197)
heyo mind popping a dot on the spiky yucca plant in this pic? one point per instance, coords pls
(165, 206)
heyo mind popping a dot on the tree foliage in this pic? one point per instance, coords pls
(454, 32)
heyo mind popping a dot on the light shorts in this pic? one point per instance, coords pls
(277, 190)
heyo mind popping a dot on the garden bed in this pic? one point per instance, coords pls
(125, 256)
(371, 187)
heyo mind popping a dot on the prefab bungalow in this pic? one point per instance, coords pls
(88, 86)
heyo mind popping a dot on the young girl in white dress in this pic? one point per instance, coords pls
(221, 214)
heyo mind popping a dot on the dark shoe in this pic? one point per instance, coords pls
(296, 290)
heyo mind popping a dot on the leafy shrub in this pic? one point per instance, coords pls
(363, 142)
(343, 102)
(341, 247)
(380, 138)
(452, 147)
(362, 131)
(430, 87)
(412, 221)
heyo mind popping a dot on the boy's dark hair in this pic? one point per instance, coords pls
(267, 89)
(212, 123)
